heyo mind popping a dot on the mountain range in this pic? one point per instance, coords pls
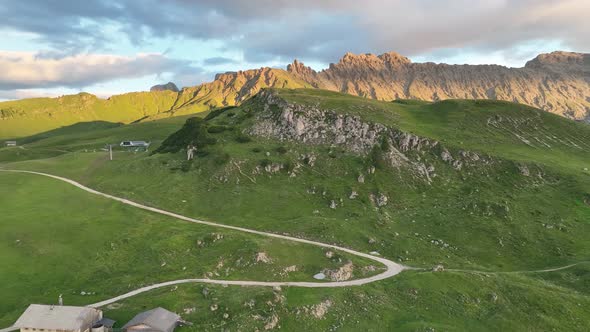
(557, 82)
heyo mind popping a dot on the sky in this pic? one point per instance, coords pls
(106, 47)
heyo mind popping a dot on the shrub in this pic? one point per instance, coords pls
(282, 150)
(242, 138)
(216, 112)
(257, 150)
(265, 162)
(221, 158)
(216, 129)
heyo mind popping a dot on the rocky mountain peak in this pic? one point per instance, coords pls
(561, 60)
(394, 58)
(165, 87)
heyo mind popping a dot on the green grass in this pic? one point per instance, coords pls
(57, 239)
(490, 216)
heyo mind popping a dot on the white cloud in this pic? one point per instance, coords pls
(24, 70)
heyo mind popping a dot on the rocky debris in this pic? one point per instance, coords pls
(329, 254)
(524, 170)
(272, 322)
(225, 315)
(291, 268)
(333, 204)
(353, 195)
(308, 159)
(165, 87)
(262, 257)
(250, 304)
(214, 307)
(494, 297)
(321, 309)
(446, 155)
(379, 199)
(273, 168)
(190, 310)
(341, 274)
(205, 291)
(372, 240)
(361, 178)
(438, 268)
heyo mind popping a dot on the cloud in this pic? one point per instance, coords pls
(219, 60)
(26, 70)
(314, 30)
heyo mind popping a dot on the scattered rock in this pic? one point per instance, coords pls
(214, 307)
(361, 178)
(438, 268)
(353, 195)
(379, 199)
(272, 322)
(333, 204)
(320, 310)
(190, 310)
(524, 170)
(329, 254)
(341, 274)
(262, 257)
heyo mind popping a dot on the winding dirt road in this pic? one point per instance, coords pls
(392, 268)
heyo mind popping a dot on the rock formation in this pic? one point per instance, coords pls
(165, 87)
(557, 82)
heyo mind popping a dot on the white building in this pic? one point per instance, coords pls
(55, 318)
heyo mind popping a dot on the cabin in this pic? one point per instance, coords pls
(155, 320)
(10, 143)
(135, 145)
(58, 318)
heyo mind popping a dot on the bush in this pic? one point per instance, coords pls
(221, 158)
(216, 129)
(282, 150)
(265, 162)
(257, 150)
(288, 166)
(241, 138)
(193, 131)
(215, 113)
(230, 114)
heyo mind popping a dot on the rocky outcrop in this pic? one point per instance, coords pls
(165, 87)
(311, 125)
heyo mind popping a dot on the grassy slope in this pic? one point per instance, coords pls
(493, 218)
(27, 117)
(49, 246)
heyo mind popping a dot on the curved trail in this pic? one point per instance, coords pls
(392, 268)
(559, 268)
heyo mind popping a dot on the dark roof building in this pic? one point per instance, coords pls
(155, 320)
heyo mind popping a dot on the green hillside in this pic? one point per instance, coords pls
(27, 117)
(483, 188)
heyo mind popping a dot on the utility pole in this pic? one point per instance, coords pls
(110, 151)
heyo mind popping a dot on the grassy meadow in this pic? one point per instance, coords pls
(492, 217)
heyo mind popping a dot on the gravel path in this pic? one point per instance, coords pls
(392, 268)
